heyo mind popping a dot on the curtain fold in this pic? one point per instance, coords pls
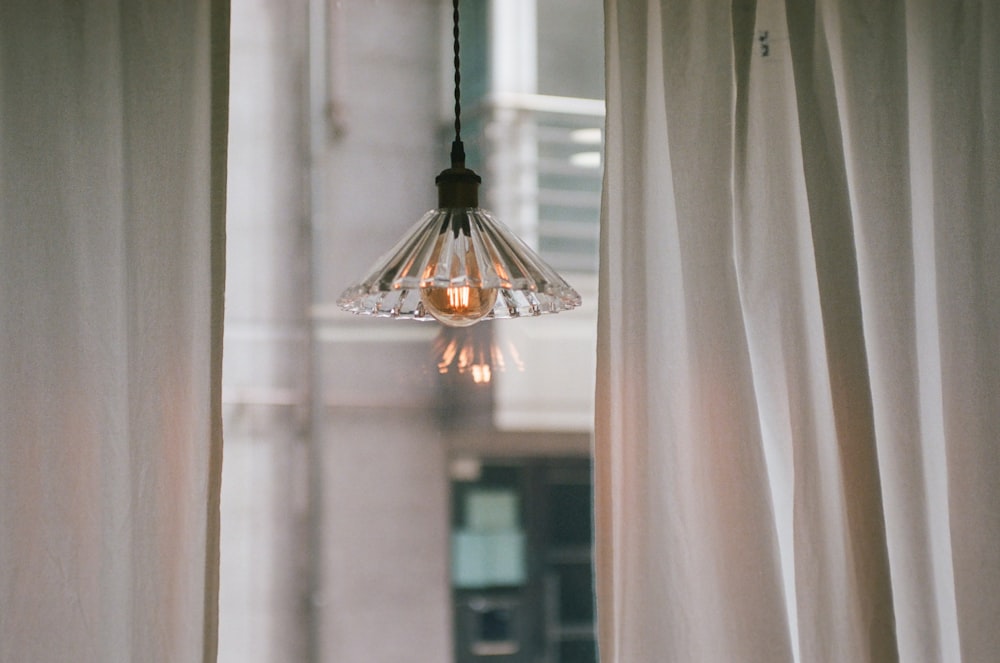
(112, 190)
(798, 355)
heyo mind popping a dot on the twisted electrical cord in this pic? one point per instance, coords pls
(457, 149)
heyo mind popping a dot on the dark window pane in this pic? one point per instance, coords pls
(570, 514)
(578, 651)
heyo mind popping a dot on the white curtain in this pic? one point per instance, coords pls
(798, 429)
(112, 177)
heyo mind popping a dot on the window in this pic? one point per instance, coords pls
(346, 437)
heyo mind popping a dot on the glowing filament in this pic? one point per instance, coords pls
(459, 297)
(458, 306)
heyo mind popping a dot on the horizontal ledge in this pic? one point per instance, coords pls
(541, 103)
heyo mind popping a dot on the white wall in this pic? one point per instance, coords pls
(385, 590)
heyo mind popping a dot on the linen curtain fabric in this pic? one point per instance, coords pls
(799, 332)
(112, 177)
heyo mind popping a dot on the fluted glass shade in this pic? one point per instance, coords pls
(459, 265)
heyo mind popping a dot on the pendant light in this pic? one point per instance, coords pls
(458, 264)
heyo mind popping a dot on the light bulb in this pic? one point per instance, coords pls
(458, 306)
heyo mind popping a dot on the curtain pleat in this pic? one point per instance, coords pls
(112, 175)
(798, 355)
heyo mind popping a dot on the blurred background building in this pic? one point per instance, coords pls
(397, 491)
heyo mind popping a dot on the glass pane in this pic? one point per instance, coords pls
(582, 651)
(576, 592)
(570, 514)
(387, 492)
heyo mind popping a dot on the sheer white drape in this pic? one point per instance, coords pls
(112, 177)
(798, 430)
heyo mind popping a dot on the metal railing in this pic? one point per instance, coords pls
(542, 162)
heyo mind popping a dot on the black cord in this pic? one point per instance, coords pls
(457, 149)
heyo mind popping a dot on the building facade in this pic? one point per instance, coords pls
(396, 491)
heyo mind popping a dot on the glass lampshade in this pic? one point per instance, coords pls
(459, 265)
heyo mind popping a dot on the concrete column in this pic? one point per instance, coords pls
(265, 378)
(384, 592)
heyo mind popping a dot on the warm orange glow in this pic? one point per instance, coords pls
(465, 358)
(463, 352)
(447, 356)
(481, 374)
(458, 298)
(459, 306)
